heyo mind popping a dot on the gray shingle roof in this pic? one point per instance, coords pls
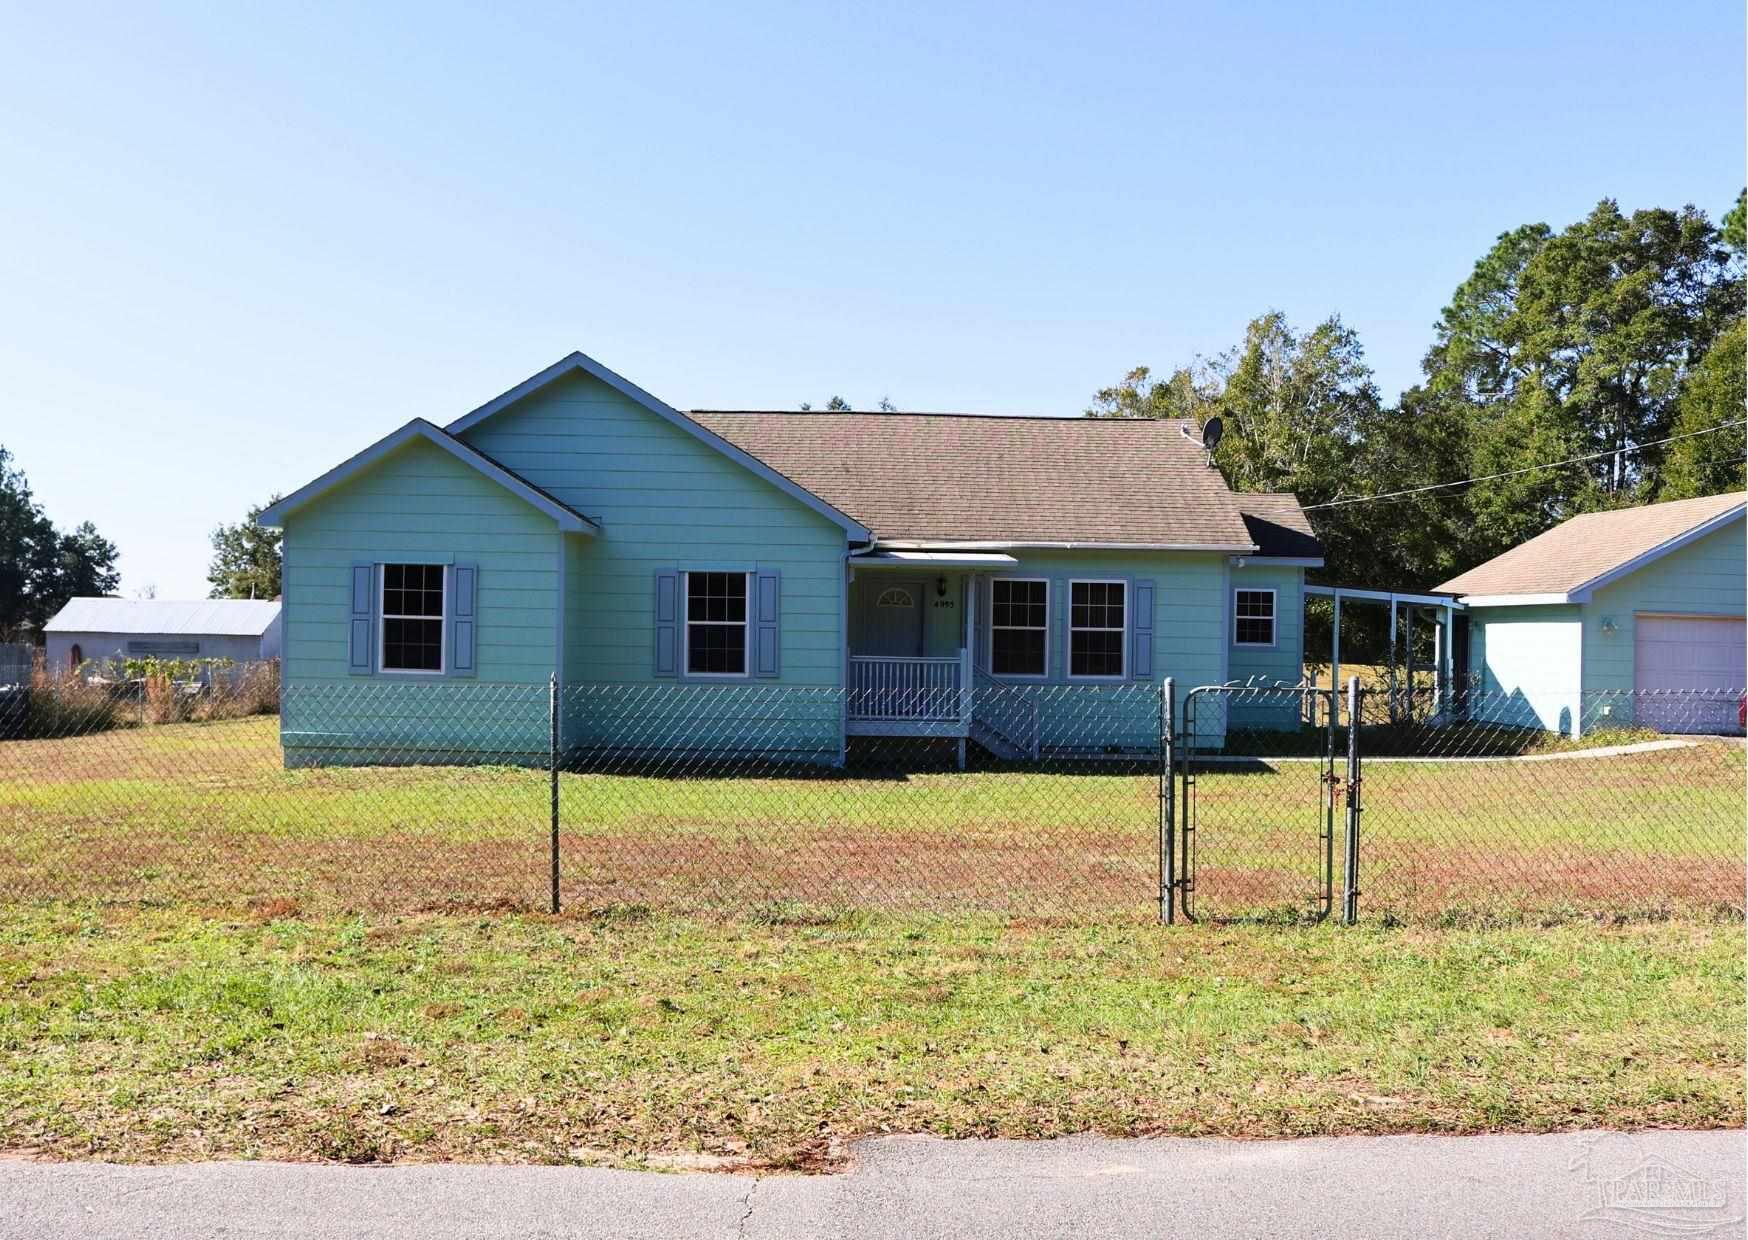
(1578, 551)
(1277, 525)
(922, 477)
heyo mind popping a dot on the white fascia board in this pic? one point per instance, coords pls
(1518, 600)
(1277, 561)
(936, 544)
(1385, 596)
(963, 559)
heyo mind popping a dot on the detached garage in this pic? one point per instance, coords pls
(1631, 616)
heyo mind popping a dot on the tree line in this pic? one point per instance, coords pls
(1601, 340)
(41, 567)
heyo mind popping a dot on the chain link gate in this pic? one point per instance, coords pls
(1257, 797)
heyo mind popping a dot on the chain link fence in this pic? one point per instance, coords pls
(1057, 802)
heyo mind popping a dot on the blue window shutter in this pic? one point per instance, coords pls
(463, 606)
(1061, 641)
(667, 623)
(767, 661)
(360, 657)
(1141, 630)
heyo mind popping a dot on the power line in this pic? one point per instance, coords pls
(1527, 469)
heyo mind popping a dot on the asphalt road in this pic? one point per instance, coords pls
(910, 1188)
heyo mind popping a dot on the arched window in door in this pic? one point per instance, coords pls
(896, 596)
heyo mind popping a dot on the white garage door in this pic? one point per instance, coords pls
(1685, 656)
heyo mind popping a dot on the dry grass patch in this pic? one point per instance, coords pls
(156, 1033)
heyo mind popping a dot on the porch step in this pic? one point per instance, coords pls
(995, 742)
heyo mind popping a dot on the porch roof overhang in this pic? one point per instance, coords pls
(933, 559)
(1387, 596)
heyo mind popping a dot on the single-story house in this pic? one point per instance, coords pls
(654, 560)
(99, 630)
(1629, 616)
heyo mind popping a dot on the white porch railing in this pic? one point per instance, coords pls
(923, 690)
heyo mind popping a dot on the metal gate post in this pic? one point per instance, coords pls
(1350, 896)
(1186, 809)
(552, 775)
(1330, 782)
(1167, 808)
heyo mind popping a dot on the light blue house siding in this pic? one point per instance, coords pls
(1526, 664)
(1189, 591)
(668, 502)
(1704, 578)
(419, 505)
(1282, 662)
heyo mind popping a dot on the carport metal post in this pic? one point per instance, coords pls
(1167, 807)
(1350, 892)
(552, 776)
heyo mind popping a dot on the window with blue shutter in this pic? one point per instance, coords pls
(414, 614)
(1098, 629)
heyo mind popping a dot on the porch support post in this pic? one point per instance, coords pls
(1438, 664)
(1392, 658)
(1409, 659)
(1450, 656)
(969, 587)
(1335, 645)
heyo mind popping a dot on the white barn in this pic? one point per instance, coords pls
(242, 630)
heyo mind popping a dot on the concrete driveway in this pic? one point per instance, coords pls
(908, 1188)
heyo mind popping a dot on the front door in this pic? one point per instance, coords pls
(888, 617)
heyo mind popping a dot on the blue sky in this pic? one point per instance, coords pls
(237, 246)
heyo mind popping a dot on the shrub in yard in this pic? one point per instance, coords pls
(236, 692)
(67, 706)
(169, 700)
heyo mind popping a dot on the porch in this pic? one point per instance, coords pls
(908, 662)
(909, 667)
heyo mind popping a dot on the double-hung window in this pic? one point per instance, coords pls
(1253, 618)
(716, 624)
(412, 617)
(1019, 625)
(1097, 629)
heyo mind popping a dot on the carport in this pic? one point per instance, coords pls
(1406, 611)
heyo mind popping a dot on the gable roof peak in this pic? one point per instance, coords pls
(418, 428)
(580, 362)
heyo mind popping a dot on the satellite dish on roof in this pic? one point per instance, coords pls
(1212, 430)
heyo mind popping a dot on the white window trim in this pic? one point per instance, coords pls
(382, 619)
(1122, 646)
(746, 624)
(1048, 605)
(1274, 618)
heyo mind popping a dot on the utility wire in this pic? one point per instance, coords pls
(1527, 469)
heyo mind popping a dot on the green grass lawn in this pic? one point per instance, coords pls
(207, 812)
(153, 1033)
